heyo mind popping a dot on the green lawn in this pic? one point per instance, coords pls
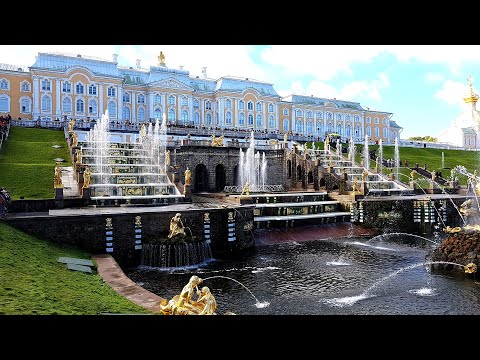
(33, 282)
(27, 162)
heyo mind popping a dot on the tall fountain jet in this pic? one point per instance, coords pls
(397, 159)
(366, 155)
(252, 167)
(100, 143)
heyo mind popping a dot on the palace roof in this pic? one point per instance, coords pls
(230, 83)
(301, 99)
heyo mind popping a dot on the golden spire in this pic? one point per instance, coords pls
(473, 98)
(161, 59)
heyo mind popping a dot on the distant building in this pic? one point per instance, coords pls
(66, 86)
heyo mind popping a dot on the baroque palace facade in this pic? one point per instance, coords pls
(62, 86)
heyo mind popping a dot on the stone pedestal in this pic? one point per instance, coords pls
(245, 199)
(86, 193)
(412, 184)
(187, 191)
(59, 198)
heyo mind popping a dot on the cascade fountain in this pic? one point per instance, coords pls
(252, 168)
(397, 158)
(380, 156)
(366, 155)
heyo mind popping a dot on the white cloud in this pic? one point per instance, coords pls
(434, 77)
(452, 92)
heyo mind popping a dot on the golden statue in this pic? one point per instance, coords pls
(143, 131)
(176, 226)
(217, 141)
(364, 175)
(470, 268)
(246, 189)
(87, 176)
(285, 137)
(327, 142)
(74, 139)
(79, 157)
(57, 180)
(355, 186)
(412, 174)
(184, 304)
(167, 157)
(71, 124)
(188, 176)
(161, 59)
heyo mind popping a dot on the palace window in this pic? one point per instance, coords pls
(357, 131)
(271, 122)
(185, 117)
(141, 114)
(299, 127)
(385, 135)
(25, 105)
(208, 105)
(329, 116)
(46, 85)
(228, 104)
(285, 125)
(339, 117)
(196, 118)
(171, 115)
(4, 104)
(111, 91)
(356, 118)
(228, 118)
(92, 89)
(340, 129)
(250, 120)
(4, 84)
(25, 87)
(270, 107)
(126, 113)
(320, 127)
(259, 106)
(126, 97)
(348, 131)
(112, 108)
(298, 112)
(377, 121)
(250, 105)
(241, 121)
(208, 119)
(157, 114)
(369, 131)
(46, 103)
(347, 117)
(92, 106)
(80, 106)
(319, 115)
(171, 100)
(157, 99)
(309, 127)
(329, 127)
(67, 104)
(79, 88)
(368, 120)
(309, 114)
(384, 121)
(184, 101)
(241, 105)
(377, 131)
(67, 87)
(285, 112)
(140, 99)
(259, 120)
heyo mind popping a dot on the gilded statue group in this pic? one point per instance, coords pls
(185, 304)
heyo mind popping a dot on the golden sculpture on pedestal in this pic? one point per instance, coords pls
(217, 141)
(57, 180)
(188, 176)
(71, 124)
(167, 157)
(176, 227)
(87, 176)
(355, 186)
(246, 189)
(185, 304)
(74, 139)
(161, 59)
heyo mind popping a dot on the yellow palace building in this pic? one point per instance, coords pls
(63, 86)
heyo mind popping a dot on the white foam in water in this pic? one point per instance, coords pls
(423, 291)
(371, 246)
(265, 268)
(345, 301)
(337, 263)
(261, 305)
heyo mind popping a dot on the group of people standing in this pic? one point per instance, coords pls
(5, 201)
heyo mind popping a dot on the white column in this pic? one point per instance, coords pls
(277, 116)
(202, 117)
(101, 109)
(149, 113)
(57, 99)
(133, 102)
(304, 112)
(292, 120)
(315, 127)
(120, 103)
(265, 119)
(190, 108)
(36, 97)
(221, 117)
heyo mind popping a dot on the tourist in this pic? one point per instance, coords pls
(406, 163)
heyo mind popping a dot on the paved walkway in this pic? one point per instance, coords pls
(114, 276)
(70, 185)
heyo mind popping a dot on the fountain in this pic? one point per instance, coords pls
(366, 155)
(380, 157)
(397, 158)
(252, 168)
(128, 172)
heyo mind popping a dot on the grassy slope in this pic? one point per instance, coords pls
(33, 282)
(27, 162)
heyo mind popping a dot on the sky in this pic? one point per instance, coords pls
(422, 85)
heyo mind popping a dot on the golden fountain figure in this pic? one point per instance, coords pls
(57, 180)
(87, 176)
(74, 139)
(188, 176)
(217, 141)
(185, 304)
(161, 59)
(71, 124)
(176, 227)
(167, 157)
(246, 189)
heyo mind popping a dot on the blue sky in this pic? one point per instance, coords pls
(422, 85)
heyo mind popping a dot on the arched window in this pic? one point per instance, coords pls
(298, 112)
(171, 115)
(319, 115)
(309, 114)
(385, 132)
(340, 129)
(329, 116)
(141, 114)
(171, 100)
(92, 89)
(369, 131)
(271, 122)
(368, 120)
(184, 101)
(46, 85)
(67, 104)
(250, 119)
(79, 88)
(112, 109)
(259, 120)
(241, 120)
(196, 118)
(208, 120)
(329, 127)
(4, 84)
(184, 117)
(320, 127)
(208, 105)
(110, 93)
(356, 118)
(309, 127)
(299, 127)
(141, 99)
(348, 131)
(285, 112)
(126, 97)
(25, 105)
(80, 106)
(67, 87)
(46, 103)
(228, 104)
(259, 106)
(196, 104)
(241, 105)
(270, 107)
(250, 105)
(25, 86)
(92, 106)
(357, 131)
(347, 117)
(157, 99)
(384, 121)
(157, 113)
(285, 125)
(5, 103)
(126, 113)
(339, 117)
(377, 121)
(377, 131)
(228, 118)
